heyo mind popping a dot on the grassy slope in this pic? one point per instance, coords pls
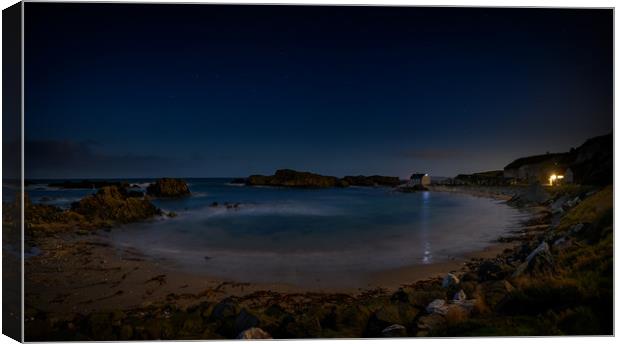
(577, 299)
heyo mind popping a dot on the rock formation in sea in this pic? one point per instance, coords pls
(109, 206)
(292, 178)
(111, 203)
(168, 188)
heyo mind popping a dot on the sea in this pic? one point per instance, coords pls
(303, 237)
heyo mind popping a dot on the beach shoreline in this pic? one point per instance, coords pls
(82, 286)
(126, 278)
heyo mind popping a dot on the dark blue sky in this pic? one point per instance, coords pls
(119, 90)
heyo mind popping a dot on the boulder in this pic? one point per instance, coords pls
(450, 280)
(540, 261)
(254, 333)
(168, 188)
(394, 330)
(438, 306)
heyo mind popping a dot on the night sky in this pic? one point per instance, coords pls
(151, 90)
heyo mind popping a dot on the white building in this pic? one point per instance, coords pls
(422, 179)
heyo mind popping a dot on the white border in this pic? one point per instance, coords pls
(496, 3)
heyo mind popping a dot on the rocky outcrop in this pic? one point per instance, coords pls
(291, 178)
(109, 206)
(168, 188)
(113, 205)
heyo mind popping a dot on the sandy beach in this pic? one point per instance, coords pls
(86, 273)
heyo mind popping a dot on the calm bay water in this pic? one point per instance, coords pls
(306, 236)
